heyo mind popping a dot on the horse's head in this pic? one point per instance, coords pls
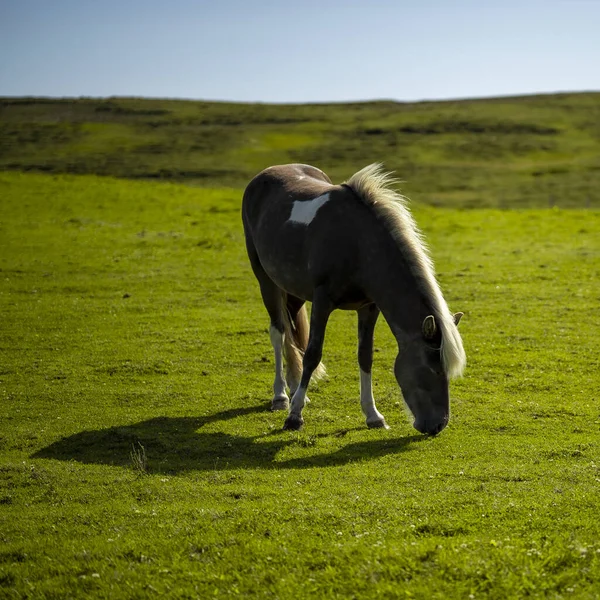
(423, 380)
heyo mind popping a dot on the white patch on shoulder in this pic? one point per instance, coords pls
(304, 211)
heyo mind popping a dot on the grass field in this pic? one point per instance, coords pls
(138, 457)
(535, 151)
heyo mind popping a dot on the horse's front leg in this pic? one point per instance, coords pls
(321, 309)
(367, 317)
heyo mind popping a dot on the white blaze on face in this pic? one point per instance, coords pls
(304, 211)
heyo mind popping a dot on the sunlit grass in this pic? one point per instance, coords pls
(138, 455)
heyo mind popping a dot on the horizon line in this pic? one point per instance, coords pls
(300, 103)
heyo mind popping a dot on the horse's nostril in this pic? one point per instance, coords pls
(441, 425)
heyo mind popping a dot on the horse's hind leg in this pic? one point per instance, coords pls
(273, 299)
(367, 317)
(281, 400)
(296, 344)
(321, 309)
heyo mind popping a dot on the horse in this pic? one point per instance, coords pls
(353, 246)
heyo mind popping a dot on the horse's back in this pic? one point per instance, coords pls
(297, 176)
(280, 184)
(293, 216)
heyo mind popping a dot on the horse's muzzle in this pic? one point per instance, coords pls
(430, 426)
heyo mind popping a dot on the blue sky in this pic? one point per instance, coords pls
(303, 51)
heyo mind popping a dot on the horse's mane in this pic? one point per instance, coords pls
(373, 186)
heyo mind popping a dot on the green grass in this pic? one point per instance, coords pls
(534, 151)
(138, 457)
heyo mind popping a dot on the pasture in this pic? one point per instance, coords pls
(530, 151)
(138, 457)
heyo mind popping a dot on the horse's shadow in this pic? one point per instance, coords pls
(177, 444)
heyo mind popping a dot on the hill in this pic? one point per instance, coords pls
(503, 152)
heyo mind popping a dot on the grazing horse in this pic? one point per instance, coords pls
(353, 246)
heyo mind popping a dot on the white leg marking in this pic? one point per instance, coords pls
(304, 211)
(293, 385)
(367, 402)
(298, 401)
(279, 383)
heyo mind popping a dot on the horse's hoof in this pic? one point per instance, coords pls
(293, 423)
(379, 424)
(280, 403)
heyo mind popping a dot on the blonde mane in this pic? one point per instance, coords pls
(373, 186)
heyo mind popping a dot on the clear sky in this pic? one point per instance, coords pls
(303, 51)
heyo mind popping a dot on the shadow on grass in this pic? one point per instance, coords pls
(177, 444)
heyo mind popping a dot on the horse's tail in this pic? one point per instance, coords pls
(296, 331)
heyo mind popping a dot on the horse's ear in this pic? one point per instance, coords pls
(429, 327)
(457, 317)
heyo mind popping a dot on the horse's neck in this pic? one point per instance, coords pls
(397, 293)
(403, 319)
